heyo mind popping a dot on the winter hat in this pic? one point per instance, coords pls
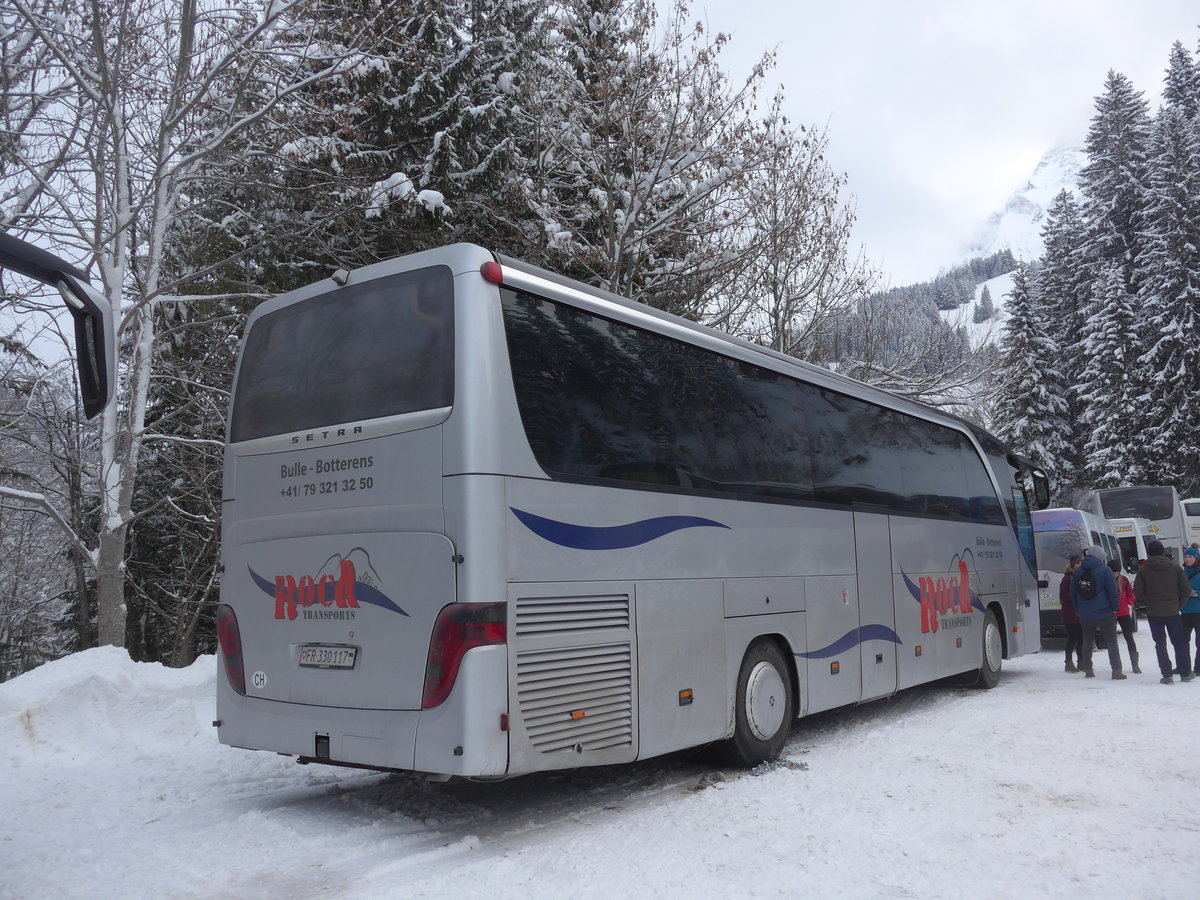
(1115, 565)
(1194, 554)
(1076, 557)
(1155, 548)
(1097, 551)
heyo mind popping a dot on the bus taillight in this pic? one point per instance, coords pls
(459, 627)
(230, 638)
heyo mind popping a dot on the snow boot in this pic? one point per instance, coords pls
(1187, 676)
(1089, 673)
(1070, 667)
(1134, 661)
(1166, 679)
(1118, 675)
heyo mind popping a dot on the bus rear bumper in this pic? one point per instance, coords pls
(463, 736)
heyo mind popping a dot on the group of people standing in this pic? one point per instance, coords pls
(1097, 597)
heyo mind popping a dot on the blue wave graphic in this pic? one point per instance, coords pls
(857, 636)
(363, 593)
(612, 537)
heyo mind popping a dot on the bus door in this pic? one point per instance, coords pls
(876, 603)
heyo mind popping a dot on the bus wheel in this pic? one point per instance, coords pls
(988, 675)
(763, 707)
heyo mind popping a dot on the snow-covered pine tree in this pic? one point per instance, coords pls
(1030, 411)
(1170, 296)
(1181, 87)
(1060, 288)
(415, 147)
(1109, 384)
(1113, 181)
(1062, 272)
(447, 130)
(985, 308)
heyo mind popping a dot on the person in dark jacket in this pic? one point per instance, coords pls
(1070, 618)
(1097, 609)
(1190, 614)
(1162, 586)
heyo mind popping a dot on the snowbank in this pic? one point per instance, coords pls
(1051, 785)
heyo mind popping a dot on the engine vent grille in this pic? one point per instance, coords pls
(581, 696)
(555, 615)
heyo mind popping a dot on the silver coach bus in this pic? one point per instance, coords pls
(480, 520)
(1157, 502)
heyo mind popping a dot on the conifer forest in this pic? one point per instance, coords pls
(196, 157)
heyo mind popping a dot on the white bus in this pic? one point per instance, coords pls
(1191, 518)
(480, 520)
(1059, 534)
(1158, 503)
(1133, 536)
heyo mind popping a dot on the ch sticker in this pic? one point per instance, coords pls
(259, 680)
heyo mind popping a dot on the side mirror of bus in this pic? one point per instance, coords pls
(95, 352)
(1041, 489)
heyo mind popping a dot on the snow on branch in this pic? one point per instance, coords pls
(42, 502)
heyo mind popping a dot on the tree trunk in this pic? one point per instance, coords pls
(110, 588)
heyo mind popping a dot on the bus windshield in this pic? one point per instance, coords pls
(1144, 502)
(1054, 548)
(379, 348)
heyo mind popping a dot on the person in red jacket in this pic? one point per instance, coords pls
(1126, 613)
(1070, 617)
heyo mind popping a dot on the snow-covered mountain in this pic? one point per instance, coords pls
(1018, 227)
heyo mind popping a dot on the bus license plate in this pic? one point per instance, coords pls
(328, 657)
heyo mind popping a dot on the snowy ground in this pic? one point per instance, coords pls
(1049, 786)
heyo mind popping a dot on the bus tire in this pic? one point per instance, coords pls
(763, 707)
(988, 675)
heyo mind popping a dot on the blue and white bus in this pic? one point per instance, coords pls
(480, 520)
(1059, 534)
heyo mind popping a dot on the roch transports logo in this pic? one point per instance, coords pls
(945, 602)
(334, 592)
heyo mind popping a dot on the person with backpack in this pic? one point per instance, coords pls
(1070, 618)
(1162, 586)
(1190, 613)
(1126, 614)
(1097, 601)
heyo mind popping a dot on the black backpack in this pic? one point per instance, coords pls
(1086, 585)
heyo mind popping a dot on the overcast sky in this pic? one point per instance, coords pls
(938, 110)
